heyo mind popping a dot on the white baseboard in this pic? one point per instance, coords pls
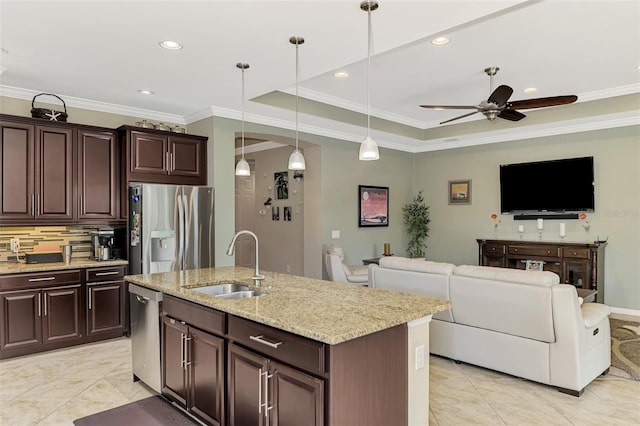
(624, 311)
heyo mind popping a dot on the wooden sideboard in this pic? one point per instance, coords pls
(579, 264)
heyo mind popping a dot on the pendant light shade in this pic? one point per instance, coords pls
(296, 159)
(368, 147)
(242, 168)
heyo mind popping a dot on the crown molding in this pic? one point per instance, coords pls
(70, 101)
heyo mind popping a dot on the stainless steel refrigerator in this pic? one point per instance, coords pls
(171, 228)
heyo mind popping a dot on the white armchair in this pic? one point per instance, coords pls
(338, 271)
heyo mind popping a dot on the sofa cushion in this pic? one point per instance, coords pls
(416, 265)
(537, 278)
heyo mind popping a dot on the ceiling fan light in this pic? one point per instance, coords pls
(242, 168)
(296, 160)
(369, 150)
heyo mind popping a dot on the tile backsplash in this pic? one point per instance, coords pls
(29, 236)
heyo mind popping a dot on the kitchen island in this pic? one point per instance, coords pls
(362, 353)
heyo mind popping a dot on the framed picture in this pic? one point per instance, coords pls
(460, 191)
(534, 265)
(281, 184)
(373, 206)
(275, 213)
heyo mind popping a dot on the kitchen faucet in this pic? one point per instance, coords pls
(231, 249)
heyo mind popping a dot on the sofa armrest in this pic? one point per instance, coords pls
(594, 313)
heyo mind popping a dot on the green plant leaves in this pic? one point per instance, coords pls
(416, 220)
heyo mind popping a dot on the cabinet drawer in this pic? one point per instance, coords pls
(494, 249)
(576, 253)
(109, 273)
(540, 251)
(295, 350)
(204, 318)
(40, 279)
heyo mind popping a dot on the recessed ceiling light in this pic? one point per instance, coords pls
(530, 90)
(145, 92)
(440, 40)
(438, 109)
(171, 45)
(638, 67)
(341, 74)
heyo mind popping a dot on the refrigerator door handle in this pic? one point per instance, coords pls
(181, 247)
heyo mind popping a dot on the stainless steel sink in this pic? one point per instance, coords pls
(228, 291)
(221, 289)
(240, 294)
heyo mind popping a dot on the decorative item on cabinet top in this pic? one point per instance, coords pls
(160, 126)
(46, 113)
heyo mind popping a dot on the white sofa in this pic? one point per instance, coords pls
(523, 323)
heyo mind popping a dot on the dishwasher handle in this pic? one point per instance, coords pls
(142, 299)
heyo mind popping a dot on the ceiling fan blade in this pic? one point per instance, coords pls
(459, 117)
(543, 102)
(449, 106)
(511, 115)
(500, 95)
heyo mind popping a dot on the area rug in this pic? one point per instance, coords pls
(152, 411)
(625, 349)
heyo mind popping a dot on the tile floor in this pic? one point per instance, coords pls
(58, 387)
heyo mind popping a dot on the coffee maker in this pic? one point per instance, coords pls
(102, 244)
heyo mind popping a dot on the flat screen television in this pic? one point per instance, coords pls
(556, 186)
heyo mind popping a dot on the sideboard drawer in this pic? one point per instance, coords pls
(40, 279)
(494, 249)
(576, 253)
(283, 346)
(539, 251)
(109, 273)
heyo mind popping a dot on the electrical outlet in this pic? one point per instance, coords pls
(335, 234)
(15, 245)
(419, 357)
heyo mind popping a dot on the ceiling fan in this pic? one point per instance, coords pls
(498, 105)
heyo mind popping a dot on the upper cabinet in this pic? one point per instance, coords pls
(56, 173)
(157, 156)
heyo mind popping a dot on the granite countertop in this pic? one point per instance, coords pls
(18, 268)
(325, 311)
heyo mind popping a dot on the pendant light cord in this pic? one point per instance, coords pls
(297, 79)
(368, 70)
(243, 112)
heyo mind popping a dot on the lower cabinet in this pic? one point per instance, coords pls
(193, 365)
(106, 302)
(265, 392)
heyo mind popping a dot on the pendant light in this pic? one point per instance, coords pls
(296, 159)
(368, 147)
(242, 168)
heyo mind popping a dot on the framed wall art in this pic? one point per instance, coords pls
(281, 184)
(373, 206)
(460, 191)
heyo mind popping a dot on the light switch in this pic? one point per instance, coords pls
(335, 234)
(419, 357)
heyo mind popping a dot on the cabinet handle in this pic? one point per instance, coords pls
(44, 295)
(39, 305)
(266, 398)
(173, 162)
(101, 274)
(260, 339)
(186, 351)
(89, 296)
(37, 205)
(32, 280)
(260, 391)
(182, 336)
(516, 250)
(166, 159)
(33, 205)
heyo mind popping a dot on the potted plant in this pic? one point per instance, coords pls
(416, 219)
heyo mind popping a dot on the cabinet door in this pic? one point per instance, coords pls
(296, 397)
(577, 272)
(16, 171)
(246, 390)
(188, 156)
(61, 313)
(21, 315)
(54, 173)
(173, 359)
(149, 153)
(205, 360)
(97, 168)
(105, 307)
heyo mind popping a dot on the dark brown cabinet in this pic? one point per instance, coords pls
(578, 264)
(162, 157)
(265, 392)
(193, 360)
(46, 314)
(57, 173)
(37, 173)
(97, 175)
(106, 305)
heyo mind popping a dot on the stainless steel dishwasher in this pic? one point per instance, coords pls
(145, 335)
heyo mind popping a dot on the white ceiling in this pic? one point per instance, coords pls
(98, 54)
